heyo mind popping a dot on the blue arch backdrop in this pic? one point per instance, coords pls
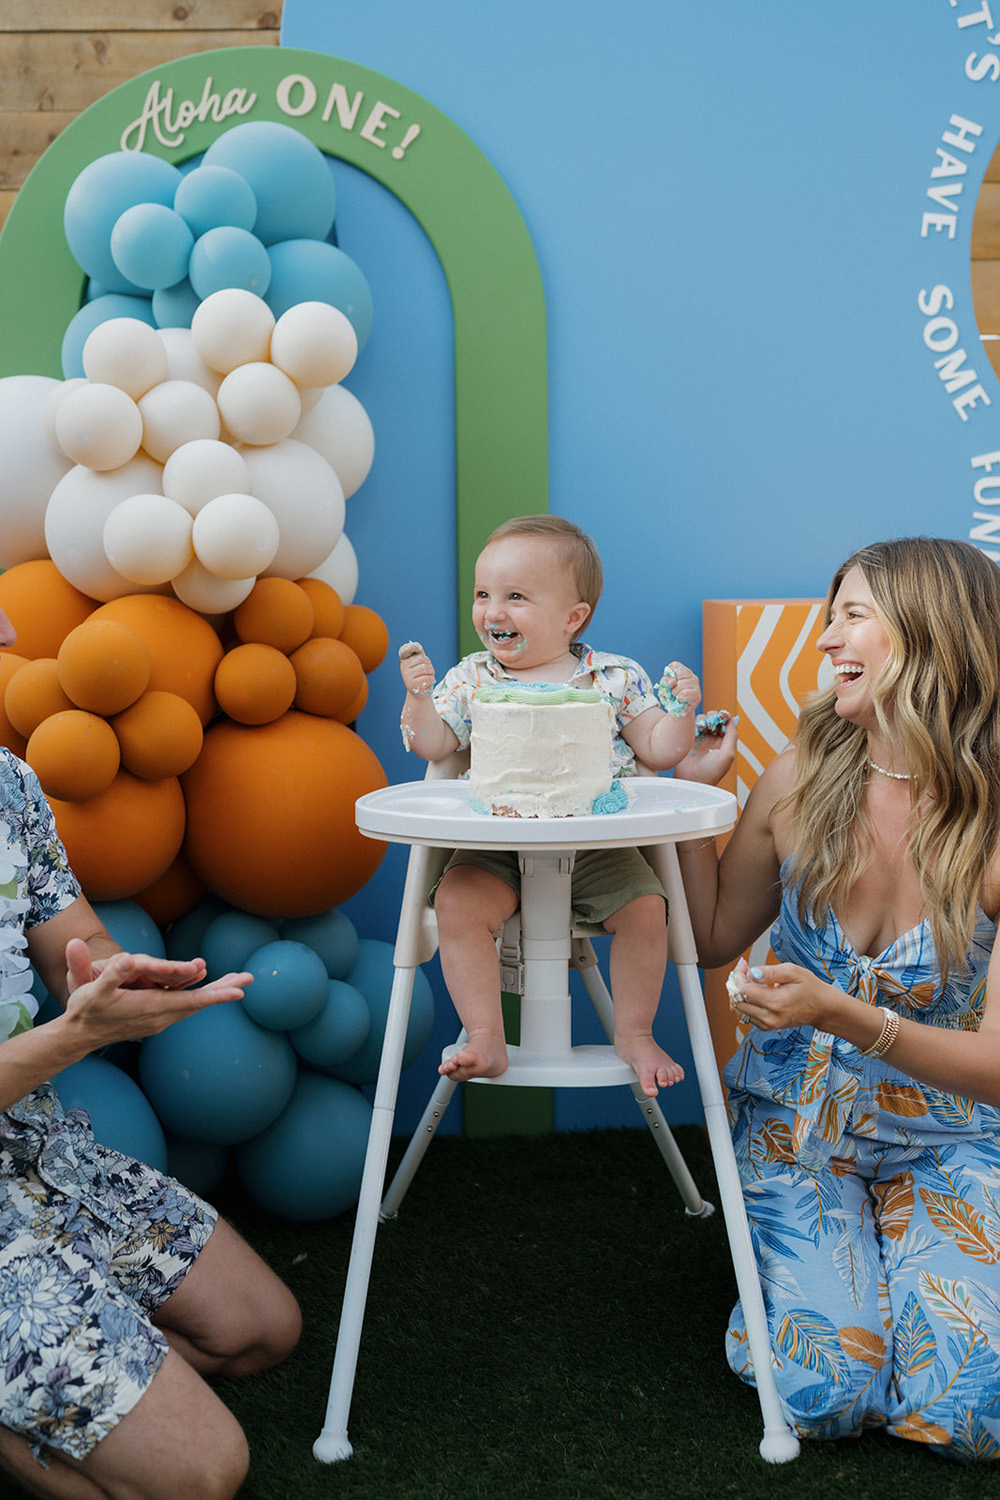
(741, 214)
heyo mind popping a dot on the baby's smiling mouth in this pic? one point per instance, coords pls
(502, 637)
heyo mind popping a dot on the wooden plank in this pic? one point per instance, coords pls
(23, 138)
(986, 224)
(986, 294)
(6, 199)
(150, 15)
(67, 71)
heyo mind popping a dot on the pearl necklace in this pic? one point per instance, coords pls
(896, 775)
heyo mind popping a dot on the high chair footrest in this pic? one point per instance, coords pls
(586, 1067)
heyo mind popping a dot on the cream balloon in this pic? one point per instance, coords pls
(148, 538)
(127, 353)
(306, 498)
(204, 592)
(314, 343)
(59, 390)
(235, 535)
(32, 465)
(259, 404)
(176, 412)
(99, 426)
(340, 429)
(198, 471)
(74, 525)
(340, 570)
(232, 327)
(183, 360)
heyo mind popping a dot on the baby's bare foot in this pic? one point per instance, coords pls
(654, 1068)
(482, 1056)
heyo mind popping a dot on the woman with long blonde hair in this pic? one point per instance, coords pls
(873, 845)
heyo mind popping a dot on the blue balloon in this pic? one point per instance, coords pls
(120, 1115)
(132, 927)
(288, 175)
(91, 314)
(308, 271)
(307, 1166)
(373, 975)
(183, 938)
(229, 257)
(229, 940)
(99, 196)
(289, 985)
(200, 1166)
(332, 934)
(217, 1076)
(338, 1031)
(209, 197)
(175, 306)
(150, 245)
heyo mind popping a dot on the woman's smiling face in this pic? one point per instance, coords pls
(858, 646)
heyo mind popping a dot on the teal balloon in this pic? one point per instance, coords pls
(120, 1115)
(131, 927)
(289, 985)
(91, 314)
(229, 257)
(307, 1165)
(309, 271)
(98, 197)
(288, 175)
(229, 940)
(175, 306)
(199, 1165)
(150, 245)
(183, 938)
(332, 934)
(373, 974)
(336, 1033)
(217, 1076)
(209, 197)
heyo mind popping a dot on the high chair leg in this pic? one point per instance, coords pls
(419, 1142)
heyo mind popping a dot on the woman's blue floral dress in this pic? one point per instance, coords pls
(874, 1207)
(91, 1242)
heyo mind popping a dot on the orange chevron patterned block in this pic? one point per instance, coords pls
(760, 661)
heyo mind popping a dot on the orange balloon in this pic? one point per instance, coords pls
(328, 607)
(329, 677)
(160, 735)
(9, 665)
(271, 815)
(350, 714)
(34, 693)
(276, 612)
(366, 633)
(255, 684)
(75, 755)
(184, 650)
(42, 607)
(103, 666)
(124, 839)
(173, 895)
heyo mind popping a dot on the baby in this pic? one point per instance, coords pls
(538, 580)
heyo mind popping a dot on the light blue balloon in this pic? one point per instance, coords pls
(288, 175)
(217, 1076)
(338, 1031)
(91, 314)
(98, 197)
(150, 245)
(175, 306)
(120, 1115)
(289, 985)
(228, 941)
(131, 927)
(307, 1166)
(331, 933)
(229, 257)
(211, 196)
(373, 975)
(309, 271)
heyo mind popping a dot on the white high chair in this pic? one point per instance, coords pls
(533, 958)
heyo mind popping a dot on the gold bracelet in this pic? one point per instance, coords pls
(697, 848)
(888, 1034)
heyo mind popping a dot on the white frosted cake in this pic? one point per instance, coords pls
(542, 751)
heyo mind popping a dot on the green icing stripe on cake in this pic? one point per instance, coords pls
(538, 692)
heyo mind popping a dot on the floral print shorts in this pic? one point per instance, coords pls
(77, 1295)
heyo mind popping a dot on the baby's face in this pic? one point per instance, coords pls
(525, 607)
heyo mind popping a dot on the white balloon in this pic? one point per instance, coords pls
(231, 328)
(75, 519)
(235, 535)
(306, 498)
(183, 360)
(340, 570)
(148, 538)
(340, 429)
(127, 353)
(176, 412)
(203, 591)
(259, 404)
(99, 425)
(197, 472)
(32, 466)
(55, 398)
(314, 343)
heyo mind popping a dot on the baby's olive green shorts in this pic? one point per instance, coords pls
(604, 880)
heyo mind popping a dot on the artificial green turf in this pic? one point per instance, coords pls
(543, 1321)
